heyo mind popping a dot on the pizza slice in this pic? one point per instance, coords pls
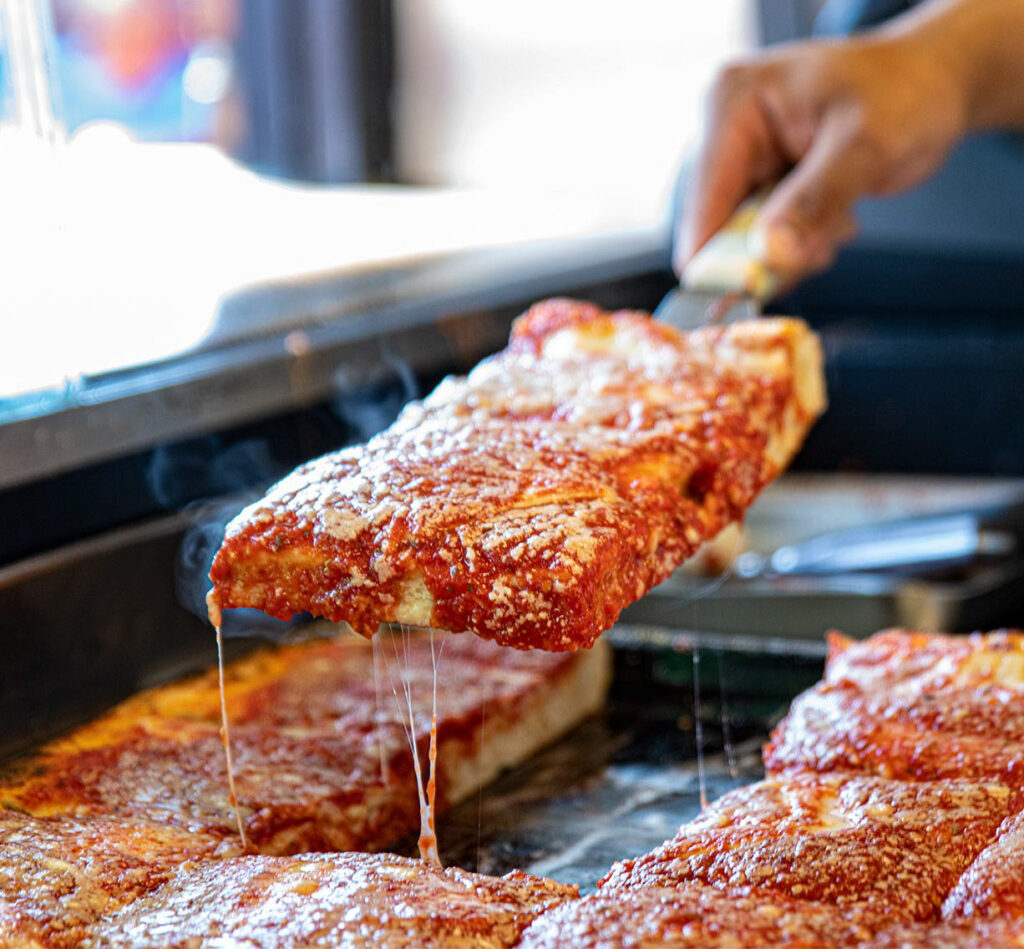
(534, 499)
(959, 934)
(994, 884)
(320, 763)
(332, 900)
(914, 706)
(59, 875)
(698, 916)
(893, 847)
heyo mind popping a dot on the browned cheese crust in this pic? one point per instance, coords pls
(332, 900)
(993, 885)
(701, 917)
(913, 706)
(889, 846)
(59, 875)
(533, 500)
(320, 764)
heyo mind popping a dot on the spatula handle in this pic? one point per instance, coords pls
(727, 263)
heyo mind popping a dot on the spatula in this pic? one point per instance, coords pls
(725, 280)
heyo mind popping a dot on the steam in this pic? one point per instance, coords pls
(191, 573)
(366, 400)
(204, 468)
(383, 391)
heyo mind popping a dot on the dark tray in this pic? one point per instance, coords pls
(685, 720)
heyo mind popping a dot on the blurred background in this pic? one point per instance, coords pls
(444, 125)
(211, 207)
(160, 156)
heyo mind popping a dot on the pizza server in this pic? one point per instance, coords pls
(726, 279)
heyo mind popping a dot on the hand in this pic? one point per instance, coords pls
(844, 119)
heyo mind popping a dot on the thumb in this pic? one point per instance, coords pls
(809, 214)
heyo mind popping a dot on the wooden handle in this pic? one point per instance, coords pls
(727, 262)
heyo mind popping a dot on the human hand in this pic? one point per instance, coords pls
(840, 120)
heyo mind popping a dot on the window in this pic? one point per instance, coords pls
(123, 241)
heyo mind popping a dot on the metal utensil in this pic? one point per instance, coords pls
(726, 280)
(907, 545)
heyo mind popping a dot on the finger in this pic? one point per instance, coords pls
(792, 258)
(810, 213)
(737, 153)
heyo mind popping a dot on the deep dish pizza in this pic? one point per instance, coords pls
(534, 499)
(925, 858)
(812, 856)
(321, 762)
(349, 899)
(912, 705)
(893, 847)
(60, 875)
(702, 917)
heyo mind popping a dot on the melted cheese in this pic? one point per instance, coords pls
(225, 735)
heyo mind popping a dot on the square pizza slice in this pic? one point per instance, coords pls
(993, 885)
(912, 705)
(59, 875)
(702, 917)
(531, 501)
(893, 847)
(320, 763)
(331, 900)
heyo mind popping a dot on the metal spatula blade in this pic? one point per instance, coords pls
(686, 310)
(725, 280)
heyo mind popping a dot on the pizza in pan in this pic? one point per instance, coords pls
(60, 875)
(348, 899)
(803, 858)
(993, 885)
(702, 917)
(534, 499)
(912, 705)
(320, 762)
(893, 847)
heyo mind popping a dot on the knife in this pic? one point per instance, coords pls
(726, 280)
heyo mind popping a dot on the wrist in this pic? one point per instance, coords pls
(976, 44)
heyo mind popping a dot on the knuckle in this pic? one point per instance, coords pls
(863, 131)
(732, 79)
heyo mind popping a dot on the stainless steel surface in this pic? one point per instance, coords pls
(909, 544)
(689, 311)
(639, 636)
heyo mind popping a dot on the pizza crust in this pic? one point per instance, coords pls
(531, 501)
(498, 744)
(322, 760)
(911, 705)
(332, 900)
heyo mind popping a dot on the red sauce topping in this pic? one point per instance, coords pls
(535, 498)
(913, 706)
(853, 840)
